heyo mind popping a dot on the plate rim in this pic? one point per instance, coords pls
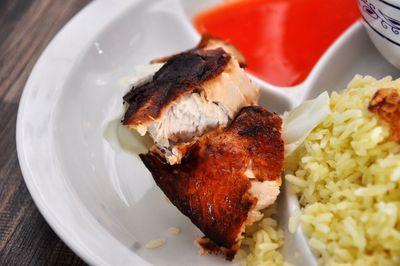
(81, 248)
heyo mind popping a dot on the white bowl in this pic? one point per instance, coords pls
(382, 21)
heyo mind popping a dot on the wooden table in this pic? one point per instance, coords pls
(26, 27)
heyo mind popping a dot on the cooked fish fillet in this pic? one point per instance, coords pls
(209, 41)
(386, 105)
(226, 177)
(192, 93)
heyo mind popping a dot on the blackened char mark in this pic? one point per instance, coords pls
(182, 74)
(210, 186)
(207, 41)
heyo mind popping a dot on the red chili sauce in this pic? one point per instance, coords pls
(282, 40)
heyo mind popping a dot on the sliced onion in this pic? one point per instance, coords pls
(299, 122)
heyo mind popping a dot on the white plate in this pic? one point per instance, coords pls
(103, 204)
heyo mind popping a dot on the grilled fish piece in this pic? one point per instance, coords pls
(386, 105)
(209, 41)
(226, 177)
(193, 93)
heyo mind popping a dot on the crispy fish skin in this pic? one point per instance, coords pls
(208, 41)
(182, 74)
(386, 105)
(210, 185)
(192, 94)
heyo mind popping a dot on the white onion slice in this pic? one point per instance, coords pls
(299, 122)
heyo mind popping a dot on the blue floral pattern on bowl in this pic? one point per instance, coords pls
(376, 17)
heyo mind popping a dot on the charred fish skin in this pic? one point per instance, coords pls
(181, 74)
(210, 185)
(209, 41)
(192, 94)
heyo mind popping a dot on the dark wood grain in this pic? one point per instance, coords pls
(26, 27)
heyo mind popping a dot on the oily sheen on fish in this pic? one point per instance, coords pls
(226, 177)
